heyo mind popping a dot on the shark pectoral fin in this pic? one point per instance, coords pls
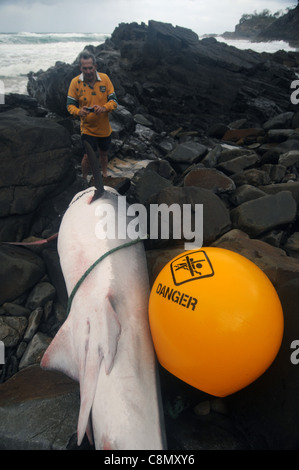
(58, 355)
(110, 333)
(89, 375)
(102, 345)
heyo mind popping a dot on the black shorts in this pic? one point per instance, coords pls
(103, 143)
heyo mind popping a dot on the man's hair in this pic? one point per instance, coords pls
(85, 55)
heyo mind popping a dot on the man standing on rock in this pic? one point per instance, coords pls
(91, 96)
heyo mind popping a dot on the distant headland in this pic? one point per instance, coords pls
(266, 26)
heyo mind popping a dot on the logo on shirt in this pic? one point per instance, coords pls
(102, 89)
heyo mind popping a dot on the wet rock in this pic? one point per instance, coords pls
(212, 157)
(16, 310)
(140, 119)
(235, 135)
(254, 177)
(280, 121)
(245, 193)
(33, 323)
(12, 330)
(163, 168)
(267, 410)
(144, 133)
(276, 172)
(289, 158)
(122, 121)
(218, 130)
(292, 245)
(35, 349)
(20, 270)
(238, 164)
(264, 213)
(34, 164)
(273, 261)
(38, 411)
(51, 259)
(212, 226)
(187, 153)
(209, 178)
(39, 296)
(279, 135)
(293, 187)
(145, 183)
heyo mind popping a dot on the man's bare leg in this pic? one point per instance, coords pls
(104, 162)
(85, 166)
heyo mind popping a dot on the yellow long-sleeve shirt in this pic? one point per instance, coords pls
(102, 93)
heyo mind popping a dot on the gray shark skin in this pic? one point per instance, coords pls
(105, 343)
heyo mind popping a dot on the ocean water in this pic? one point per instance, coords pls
(21, 53)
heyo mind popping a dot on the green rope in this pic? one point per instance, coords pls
(70, 300)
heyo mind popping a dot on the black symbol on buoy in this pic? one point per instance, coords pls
(190, 267)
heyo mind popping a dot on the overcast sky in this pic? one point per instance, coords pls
(102, 16)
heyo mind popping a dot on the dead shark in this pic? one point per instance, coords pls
(105, 342)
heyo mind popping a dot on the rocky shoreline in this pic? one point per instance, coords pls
(198, 122)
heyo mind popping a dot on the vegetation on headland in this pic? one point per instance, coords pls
(267, 26)
(263, 14)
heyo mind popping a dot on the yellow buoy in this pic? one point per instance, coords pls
(216, 320)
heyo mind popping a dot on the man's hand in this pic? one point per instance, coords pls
(99, 109)
(83, 111)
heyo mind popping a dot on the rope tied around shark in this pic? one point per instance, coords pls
(88, 271)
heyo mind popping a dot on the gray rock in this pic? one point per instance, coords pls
(16, 310)
(292, 245)
(209, 178)
(140, 119)
(166, 145)
(229, 154)
(295, 121)
(252, 176)
(273, 261)
(293, 187)
(245, 193)
(40, 295)
(216, 219)
(21, 265)
(275, 172)
(145, 183)
(33, 323)
(289, 158)
(281, 121)
(122, 121)
(287, 145)
(144, 133)
(28, 147)
(12, 330)
(188, 152)
(38, 411)
(212, 157)
(269, 405)
(238, 164)
(279, 135)
(265, 213)
(163, 168)
(35, 350)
